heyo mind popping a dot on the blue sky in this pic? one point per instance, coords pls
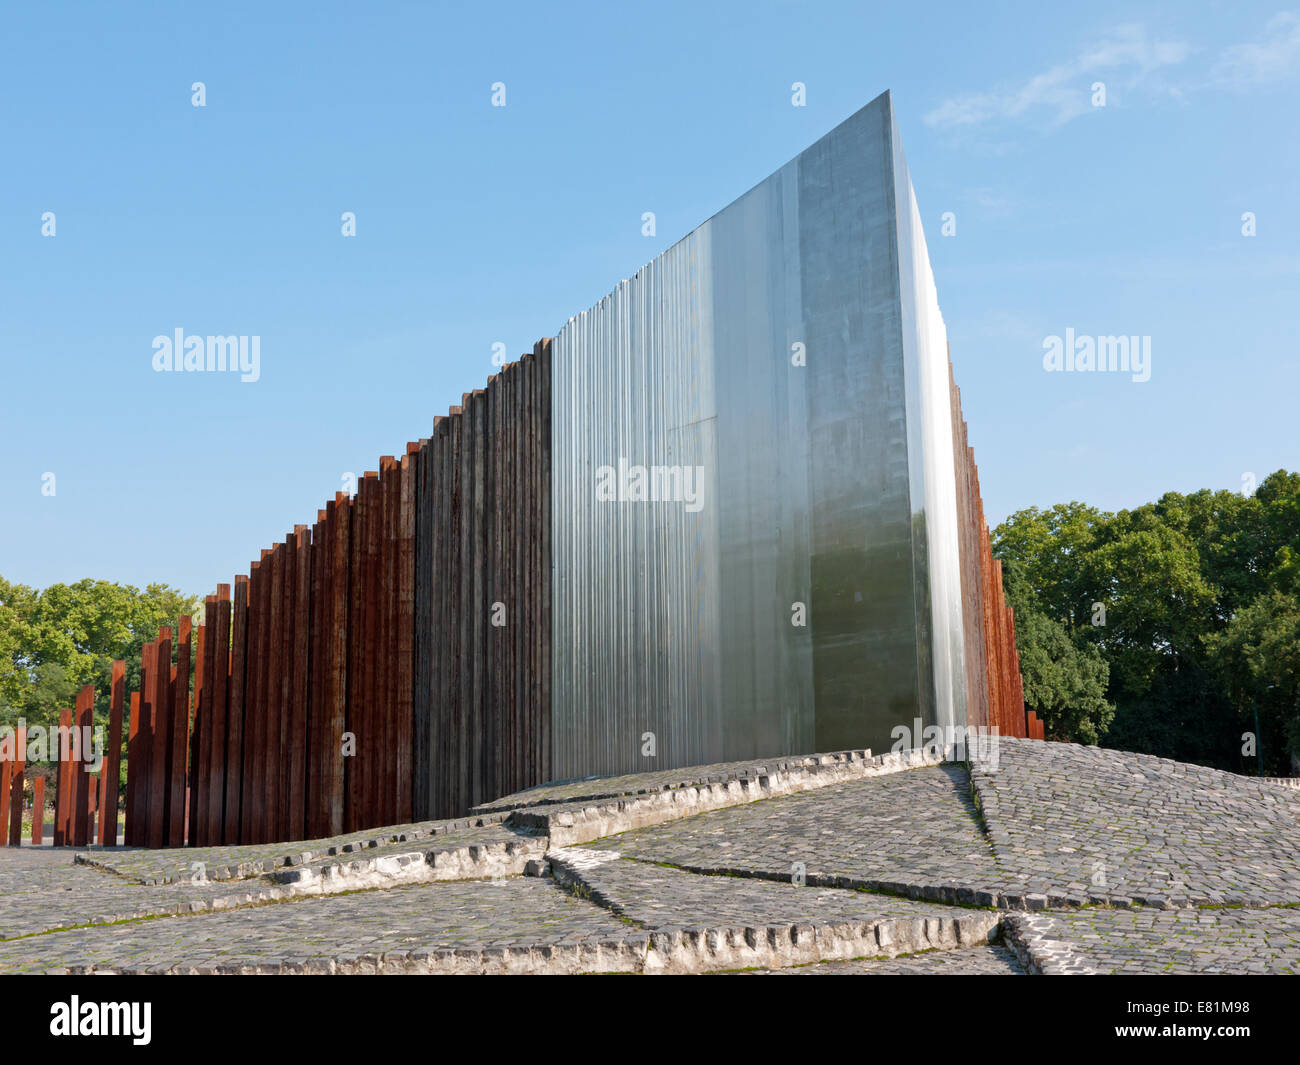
(478, 225)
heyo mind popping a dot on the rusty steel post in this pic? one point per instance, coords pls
(300, 630)
(111, 772)
(82, 790)
(15, 789)
(159, 705)
(230, 828)
(38, 811)
(179, 736)
(6, 776)
(216, 682)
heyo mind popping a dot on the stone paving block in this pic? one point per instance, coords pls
(1168, 837)
(1101, 941)
(42, 888)
(351, 932)
(45, 890)
(657, 897)
(1126, 829)
(913, 833)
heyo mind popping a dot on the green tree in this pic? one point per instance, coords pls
(55, 641)
(1190, 602)
(1259, 657)
(1064, 677)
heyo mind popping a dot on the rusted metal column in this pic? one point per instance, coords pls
(158, 696)
(201, 744)
(288, 587)
(339, 520)
(111, 771)
(359, 804)
(178, 736)
(274, 697)
(198, 723)
(355, 654)
(405, 695)
(82, 789)
(231, 821)
(313, 803)
(300, 633)
(38, 811)
(63, 782)
(6, 777)
(426, 660)
(369, 743)
(251, 794)
(14, 792)
(216, 673)
(390, 487)
(134, 776)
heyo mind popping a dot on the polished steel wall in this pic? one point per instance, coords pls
(827, 489)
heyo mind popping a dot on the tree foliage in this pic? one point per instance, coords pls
(1192, 604)
(53, 642)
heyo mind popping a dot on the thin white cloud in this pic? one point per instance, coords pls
(1273, 58)
(991, 201)
(1064, 91)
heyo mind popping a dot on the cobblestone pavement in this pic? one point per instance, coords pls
(1096, 862)
(893, 832)
(977, 961)
(1097, 940)
(657, 897)
(467, 916)
(1130, 828)
(1066, 826)
(42, 889)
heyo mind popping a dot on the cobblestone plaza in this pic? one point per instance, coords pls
(1059, 859)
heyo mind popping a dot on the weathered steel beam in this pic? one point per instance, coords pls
(111, 769)
(179, 736)
(158, 694)
(38, 811)
(235, 718)
(82, 789)
(15, 789)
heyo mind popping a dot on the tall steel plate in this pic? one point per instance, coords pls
(789, 356)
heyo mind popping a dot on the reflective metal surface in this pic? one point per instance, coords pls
(827, 488)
